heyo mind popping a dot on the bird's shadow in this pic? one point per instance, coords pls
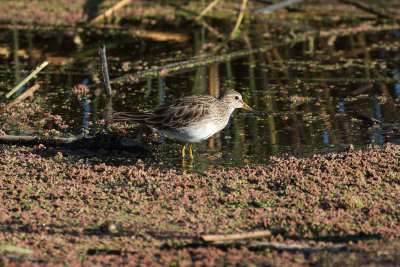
(105, 148)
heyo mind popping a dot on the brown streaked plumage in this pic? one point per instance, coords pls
(189, 119)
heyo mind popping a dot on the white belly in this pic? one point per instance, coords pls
(195, 133)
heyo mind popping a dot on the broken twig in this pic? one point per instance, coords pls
(19, 99)
(218, 238)
(110, 11)
(239, 19)
(30, 76)
(208, 8)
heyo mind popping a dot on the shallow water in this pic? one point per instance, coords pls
(314, 90)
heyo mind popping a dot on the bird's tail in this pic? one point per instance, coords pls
(135, 117)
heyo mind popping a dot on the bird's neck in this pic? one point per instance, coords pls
(228, 110)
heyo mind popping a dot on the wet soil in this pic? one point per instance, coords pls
(60, 206)
(70, 207)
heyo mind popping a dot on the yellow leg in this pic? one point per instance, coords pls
(190, 151)
(183, 151)
(183, 163)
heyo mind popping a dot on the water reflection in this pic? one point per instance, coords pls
(315, 89)
(86, 110)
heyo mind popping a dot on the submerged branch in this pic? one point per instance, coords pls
(296, 247)
(188, 65)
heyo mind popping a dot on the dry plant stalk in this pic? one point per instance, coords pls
(19, 99)
(217, 238)
(211, 29)
(110, 11)
(30, 76)
(239, 19)
(208, 8)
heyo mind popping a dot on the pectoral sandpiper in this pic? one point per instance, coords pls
(189, 119)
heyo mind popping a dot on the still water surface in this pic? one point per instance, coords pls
(315, 90)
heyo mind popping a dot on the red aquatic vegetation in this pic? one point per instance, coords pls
(72, 210)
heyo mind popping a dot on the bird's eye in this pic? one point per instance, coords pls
(236, 97)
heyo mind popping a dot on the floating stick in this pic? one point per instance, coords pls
(30, 76)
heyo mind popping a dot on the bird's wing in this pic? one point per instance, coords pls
(179, 113)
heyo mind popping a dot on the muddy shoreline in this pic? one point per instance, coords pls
(65, 209)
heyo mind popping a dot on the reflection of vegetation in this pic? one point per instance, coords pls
(286, 76)
(16, 57)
